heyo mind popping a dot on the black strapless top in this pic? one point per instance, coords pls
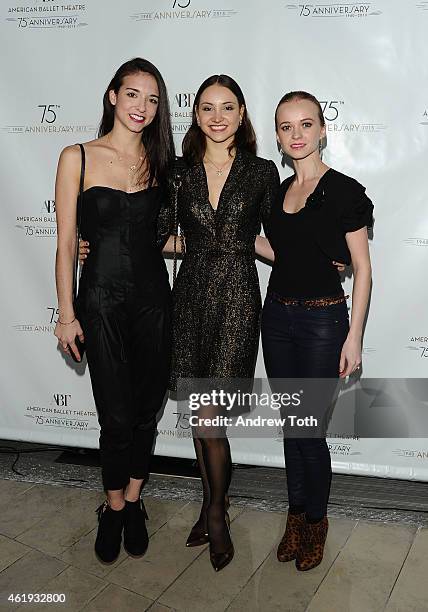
(121, 228)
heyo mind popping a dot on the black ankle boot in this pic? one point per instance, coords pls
(109, 536)
(135, 536)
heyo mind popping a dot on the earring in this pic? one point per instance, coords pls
(240, 121)
(320, 146)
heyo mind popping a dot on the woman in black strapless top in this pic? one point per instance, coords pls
(123, 309)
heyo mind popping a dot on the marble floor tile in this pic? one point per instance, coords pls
(29, 574)
(410, 593)
(37, 503)
(118, 599)
(160, 511)
(199, 587)
(66, 525)
(364, 573)
(10, 551)
(78, 587)
(9, 489)
(279, 587)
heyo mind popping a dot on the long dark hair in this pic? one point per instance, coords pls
(300, 95)
(157, 136)
(194, 142)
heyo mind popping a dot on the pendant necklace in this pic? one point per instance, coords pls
(132, 167)
(219, 169)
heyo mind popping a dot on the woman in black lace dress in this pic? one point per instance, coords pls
(226, 194)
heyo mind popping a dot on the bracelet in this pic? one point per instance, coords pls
(69, 323)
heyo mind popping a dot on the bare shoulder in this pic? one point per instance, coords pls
(98, 144)
(73, 151)
(69, 164)
(70, 154)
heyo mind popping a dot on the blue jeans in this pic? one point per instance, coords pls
(301, 342)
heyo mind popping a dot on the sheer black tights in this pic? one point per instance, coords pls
(213, 453)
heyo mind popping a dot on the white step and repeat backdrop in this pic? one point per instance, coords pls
(366, 61)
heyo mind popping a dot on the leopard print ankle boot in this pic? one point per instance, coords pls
(290, 542)
(312, 545)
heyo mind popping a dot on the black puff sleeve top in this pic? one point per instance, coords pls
(305, 243)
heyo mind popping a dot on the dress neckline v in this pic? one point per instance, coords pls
(226, 182)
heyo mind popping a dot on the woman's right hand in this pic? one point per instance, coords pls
(66, 335)
(83, 251)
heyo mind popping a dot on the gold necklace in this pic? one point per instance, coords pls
(219, 170)
(132, 168)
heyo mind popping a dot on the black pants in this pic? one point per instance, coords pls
(128, 341)
(301, 342)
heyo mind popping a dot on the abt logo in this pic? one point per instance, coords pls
(62, 399)
(182, 4)
(184, 100)
(48, 207)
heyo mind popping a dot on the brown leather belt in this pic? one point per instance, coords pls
(309, 303)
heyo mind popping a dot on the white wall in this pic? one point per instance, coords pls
(367, 61)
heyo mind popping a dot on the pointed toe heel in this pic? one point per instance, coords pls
(197, 537)
(220, 560)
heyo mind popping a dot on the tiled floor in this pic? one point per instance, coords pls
(46, 546)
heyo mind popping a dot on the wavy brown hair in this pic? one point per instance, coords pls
(157, 136)
(194, 142)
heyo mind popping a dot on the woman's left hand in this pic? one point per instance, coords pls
(350, 358)
(340, 267)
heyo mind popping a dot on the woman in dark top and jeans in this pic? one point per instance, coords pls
(320, 215)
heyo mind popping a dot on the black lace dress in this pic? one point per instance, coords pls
(216, 297)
